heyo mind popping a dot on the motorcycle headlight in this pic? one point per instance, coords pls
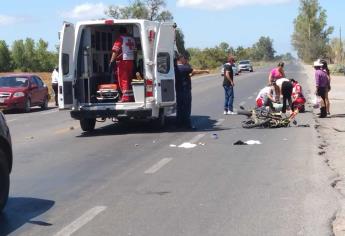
(18, 94)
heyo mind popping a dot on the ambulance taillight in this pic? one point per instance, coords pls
(149, 88)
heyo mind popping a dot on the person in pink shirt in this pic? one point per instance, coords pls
(275, 74)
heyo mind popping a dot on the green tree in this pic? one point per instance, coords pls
(5, 57)
(311, 34)
(31, 63)
(263, 49)
(336, 50)
(46, 60)
(149, 10)
(18, 54)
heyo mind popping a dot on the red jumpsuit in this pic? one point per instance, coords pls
(124, 46)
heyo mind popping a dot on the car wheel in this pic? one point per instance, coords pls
(4, 181)
(27, 106)
(87, 125)
(44, 105)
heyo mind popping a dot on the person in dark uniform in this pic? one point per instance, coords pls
(183, 83)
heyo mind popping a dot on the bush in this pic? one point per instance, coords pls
(337, 69)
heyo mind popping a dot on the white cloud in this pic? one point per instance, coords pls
(9, 20)
(225, 4)
(86, 11)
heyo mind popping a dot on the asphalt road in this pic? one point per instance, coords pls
(133, 180)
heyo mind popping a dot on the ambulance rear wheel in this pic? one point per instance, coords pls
(87, 125)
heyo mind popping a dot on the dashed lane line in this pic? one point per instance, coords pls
(250, 97)
(81, 221)
(153, 169)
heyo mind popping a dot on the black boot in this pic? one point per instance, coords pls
(323, 112)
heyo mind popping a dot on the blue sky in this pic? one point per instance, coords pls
(205, 23)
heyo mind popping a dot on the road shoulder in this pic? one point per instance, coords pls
(331, 135)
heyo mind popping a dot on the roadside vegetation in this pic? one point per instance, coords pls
(311, 40)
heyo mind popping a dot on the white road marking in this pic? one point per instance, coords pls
(255, 93)
(196, 138)
(219, 122)
(8, 121)
(242, 103)
(81, 221)
(250, 97)
(153, 169)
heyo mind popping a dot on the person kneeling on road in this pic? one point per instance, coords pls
(265, 97)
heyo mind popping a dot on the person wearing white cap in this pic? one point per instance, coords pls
(321, 83)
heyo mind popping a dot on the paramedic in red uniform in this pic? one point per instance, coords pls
(124, 54)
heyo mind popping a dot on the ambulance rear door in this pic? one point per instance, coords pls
(66, 66)
(164, 89)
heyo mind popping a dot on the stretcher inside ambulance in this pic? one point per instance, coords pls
(90, 88)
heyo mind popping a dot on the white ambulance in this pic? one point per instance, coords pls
(85, 52)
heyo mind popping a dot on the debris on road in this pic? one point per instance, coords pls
(248, 142)
(187, 145)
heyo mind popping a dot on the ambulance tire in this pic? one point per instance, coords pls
(87, 125)
(160, 121)
(4, 180)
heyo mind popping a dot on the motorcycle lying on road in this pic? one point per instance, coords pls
(263, 118)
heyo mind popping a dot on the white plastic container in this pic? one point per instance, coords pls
(138, 91)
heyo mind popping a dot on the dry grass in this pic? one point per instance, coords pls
(45, 76)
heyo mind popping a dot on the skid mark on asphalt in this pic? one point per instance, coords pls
(153, 169)
(81, 221)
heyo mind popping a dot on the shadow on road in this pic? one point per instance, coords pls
(20, 211)
(200, 123)
(33, 110)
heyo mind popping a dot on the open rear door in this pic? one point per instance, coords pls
(66, 66)
(164, 65)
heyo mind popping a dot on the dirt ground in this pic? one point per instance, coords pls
(45, 76)
(331, 134)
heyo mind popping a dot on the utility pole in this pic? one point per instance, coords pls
(341, 46)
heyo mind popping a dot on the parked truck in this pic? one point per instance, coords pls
(85, 83)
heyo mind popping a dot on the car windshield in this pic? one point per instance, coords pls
(244, 62)
(13, 82)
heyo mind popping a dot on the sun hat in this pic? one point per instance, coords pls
(317, 63)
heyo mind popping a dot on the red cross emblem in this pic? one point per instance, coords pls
(130, 44)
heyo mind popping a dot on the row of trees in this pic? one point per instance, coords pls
(27, 55)
(311, 36)
(213, 57)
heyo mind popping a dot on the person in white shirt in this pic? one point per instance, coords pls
(285, 89)
(55, 76)
(265, 97)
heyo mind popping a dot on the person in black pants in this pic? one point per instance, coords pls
(286, 91)
(285, 86)
(183, 85)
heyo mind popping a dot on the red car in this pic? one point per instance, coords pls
(23, 91)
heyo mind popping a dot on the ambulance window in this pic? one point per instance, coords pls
(65, 64)
(163, 62)
(104, 41)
